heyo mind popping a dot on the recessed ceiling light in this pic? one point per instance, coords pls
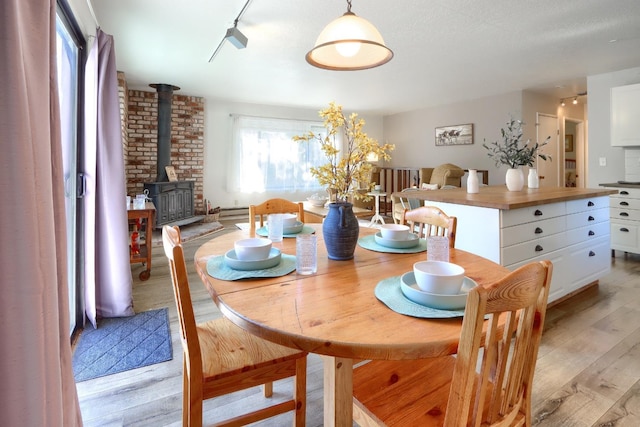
(613, 40)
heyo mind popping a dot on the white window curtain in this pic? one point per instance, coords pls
(37, 377)
(266, 159)
(108, 282)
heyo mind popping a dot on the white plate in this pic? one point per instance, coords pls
(412, 240)
(410, 289)
(232, 261)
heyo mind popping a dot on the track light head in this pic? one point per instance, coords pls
(236, 38)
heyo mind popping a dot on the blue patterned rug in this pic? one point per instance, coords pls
(123, 343)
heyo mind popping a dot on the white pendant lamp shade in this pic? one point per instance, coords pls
(349, 43)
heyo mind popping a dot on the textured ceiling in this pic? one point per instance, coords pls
(445, 50)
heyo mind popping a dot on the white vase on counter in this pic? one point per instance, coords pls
(532, 180)
(472, 181)
(514, 179)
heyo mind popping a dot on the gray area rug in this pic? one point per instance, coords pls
(123, 343)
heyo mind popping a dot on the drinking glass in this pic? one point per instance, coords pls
(139, 201)
(438, 248)
(274, 227)
(306, 254)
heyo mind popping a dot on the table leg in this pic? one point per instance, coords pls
(338, 391)
(377, 216)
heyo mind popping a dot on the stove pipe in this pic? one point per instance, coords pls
(165, 93)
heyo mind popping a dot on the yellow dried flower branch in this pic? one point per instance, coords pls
(346, 170)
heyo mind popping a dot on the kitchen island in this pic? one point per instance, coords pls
(569, 226)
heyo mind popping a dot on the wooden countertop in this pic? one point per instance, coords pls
(498, 197)
(620, 185)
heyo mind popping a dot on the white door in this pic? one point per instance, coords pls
(549, 171)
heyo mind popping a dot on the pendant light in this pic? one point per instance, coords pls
(349, 43)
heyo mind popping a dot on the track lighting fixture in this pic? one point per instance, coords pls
(574, 99)
(234, 35)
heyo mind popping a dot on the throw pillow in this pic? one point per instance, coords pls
(426, 186)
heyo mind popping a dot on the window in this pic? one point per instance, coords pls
(267, 158)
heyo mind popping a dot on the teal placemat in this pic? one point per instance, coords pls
(388, 291)
(262, 231)
(369, 242)
(217, 268)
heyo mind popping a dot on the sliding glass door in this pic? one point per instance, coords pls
(69, 72)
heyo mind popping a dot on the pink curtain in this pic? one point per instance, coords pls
(35, 355)
(108, 281)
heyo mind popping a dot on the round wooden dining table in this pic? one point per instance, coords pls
(335, 313)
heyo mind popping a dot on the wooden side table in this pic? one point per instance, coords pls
(146, 217)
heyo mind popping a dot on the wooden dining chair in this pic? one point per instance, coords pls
(431, 221)
(273, 206)
(400, 203)
(490, 387)
(220, 357)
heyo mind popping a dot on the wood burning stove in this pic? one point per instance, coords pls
(173, 200)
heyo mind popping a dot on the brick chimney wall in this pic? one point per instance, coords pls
(187, 140)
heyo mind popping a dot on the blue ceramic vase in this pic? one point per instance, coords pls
(340, 231)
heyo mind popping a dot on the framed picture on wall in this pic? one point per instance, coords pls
(171, 173)
(455, 135)
(568, 143)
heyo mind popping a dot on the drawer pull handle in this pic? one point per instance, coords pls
(537, 212)
(590, 204)
(624, 204)
(539, 248)
(538, 230)
(624, 229)
(590, 218)
(626, 193)
(624, 214)
(591, 253)
(591, 233)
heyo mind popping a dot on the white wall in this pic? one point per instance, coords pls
(413, 133)
(599, 123)
(218, 130)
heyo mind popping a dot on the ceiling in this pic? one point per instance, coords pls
(445, 51)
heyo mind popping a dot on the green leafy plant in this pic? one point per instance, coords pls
(346, 169)
(511, 151)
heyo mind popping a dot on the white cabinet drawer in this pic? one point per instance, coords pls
(589, 261)
(629, 193)
(625, 236)
(532, 230)
(533, 213)
(581, 205)
(624, 214)
(590, 232)
(625, 202)
(533, 248)
(582, 219)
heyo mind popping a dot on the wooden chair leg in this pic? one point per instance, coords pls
(300, 392)
(268, 389)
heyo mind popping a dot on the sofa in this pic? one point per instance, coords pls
(444, 174)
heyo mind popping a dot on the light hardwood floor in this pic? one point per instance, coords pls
(587, 374)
